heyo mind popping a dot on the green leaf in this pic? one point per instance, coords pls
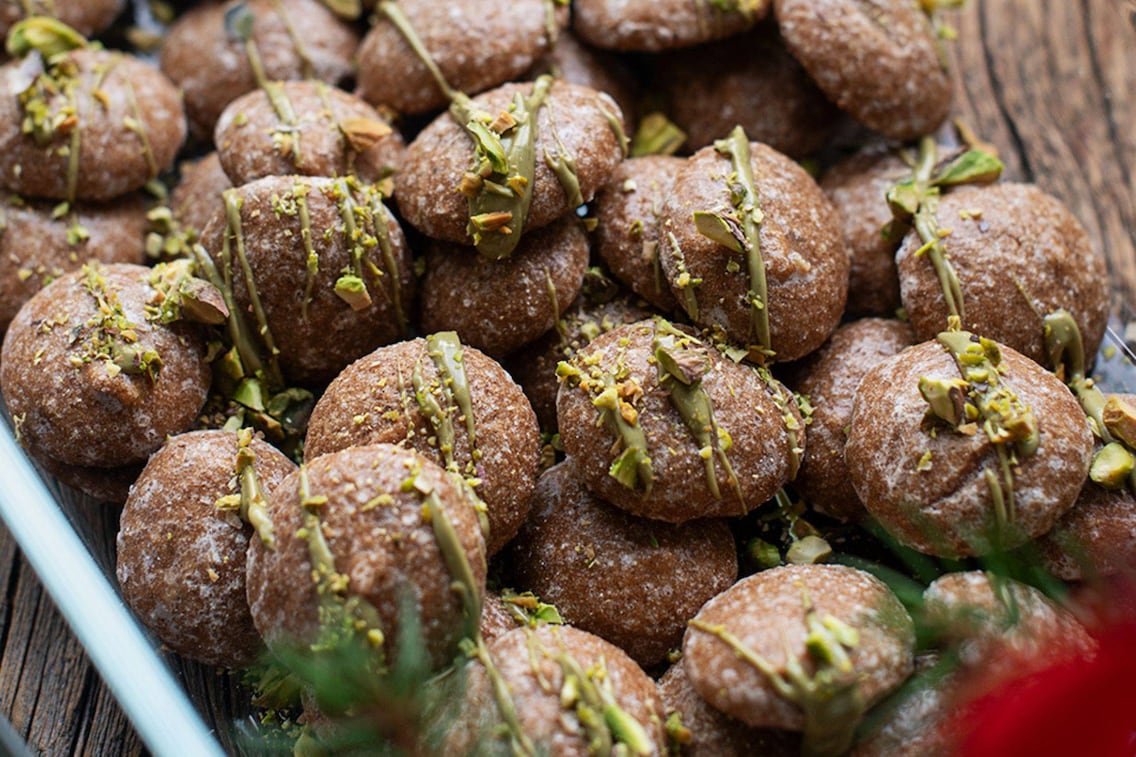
(972, 167)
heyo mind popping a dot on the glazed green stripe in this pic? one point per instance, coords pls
(233, 202)
(395, 15)
(379, 217)
(445, 349)
(311, 257)
(1008, 423)
(672, 348)
(747, 205)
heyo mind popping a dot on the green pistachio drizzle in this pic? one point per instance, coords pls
(234, 241)
(239, 22)
(499, 183)
(915, 202)
(740, 231)
(684, 281)
(340, 612)
(831, 699)
(682, 363)
(452, 387)
(365, 228)
(589, 695)
(981, 401)
(250, 504)
(52, 41)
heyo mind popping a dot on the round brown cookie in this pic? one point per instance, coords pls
(655, 25)
(1019, 254)
(327, 304)
(181, 558)
(806, 266)
(857, 186)
(88, 17)
(574, 120)
(328, 132)
(919, 719)
(380, 534)
(295, 39)
(998, 624)
(476, 44)
(37, 246)
(501, 305)
(829, 378)
(655, 466)
(710, 733)
(1097, 537)
(89, 380)
(576, 63)
(928, 485)
(876, 60)
(750, 81)
(197, 195)
(536, 666)
(627, 230)
(374, 400)
(771, 614)
(93, 125)
(534, 368)
(654, 575)
(108, 486)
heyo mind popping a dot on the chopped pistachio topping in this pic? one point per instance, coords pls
(614, 397)
(682, 362)
(1119, 417)
(808, 550)
(990, 406)
(590, 696)
(253, 505)
(47, 36)
(527, 609)
(830, 698)
(656, 135)
(180, 295)
(502, 161)
(684, 281)
(113, 338)
(1112, 466)
(342, 614)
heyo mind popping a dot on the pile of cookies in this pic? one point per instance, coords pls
(448, 298)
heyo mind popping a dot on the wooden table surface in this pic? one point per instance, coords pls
(1051, 83)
